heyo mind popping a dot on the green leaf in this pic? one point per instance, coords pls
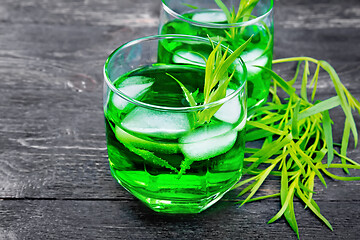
(310, 184)
(257, 135)
(285, 204)
(328, 136)
(262, 176)
(224, 9)
(297, 160)
(261, 198)
(220, 92)
(290, 217)
(269, 151)
(339, 90)
(188, 95)
(245, 9)
(223, 68)
(190, 6)
(295, 128)
(354, 103)
(308, 160)
(185, 165)
(314, 82)
(319, 107)
(247, 189)
(265, 127)
(323, 166)
(312, 201)
(209, 71)
(150, 157)
(270, 107)
(346, 158)
(305, 81)
(292, 81)
(305, 189)
(339, 177)
(313, 209)
(239, 184)
(284, 183)
(216, 74)
(344, 143)
(219, 66)
(282, 83)
(284, 194)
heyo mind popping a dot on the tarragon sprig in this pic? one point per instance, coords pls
(297, 137)
(216, 80)
(242, 15)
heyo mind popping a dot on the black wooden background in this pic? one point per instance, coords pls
(54, 177)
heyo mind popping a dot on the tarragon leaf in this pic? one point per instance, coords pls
(185, 165)
(224, 9)
(314, 82)
(262, 176)
(344, 143)
(282, 83)
(328, 136)
(338, 87)
(313, 209)
(265, 127)
(305, 81)
(295, 127)
(285, 203)
(150, 157)
(188, 95)
(320, 107)
(190, 6)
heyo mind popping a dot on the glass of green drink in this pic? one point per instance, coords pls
(232, 24)
(157, 149)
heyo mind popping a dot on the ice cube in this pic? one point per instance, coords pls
(208, 141)
(126, 138)
(251, 55)
(230, 111)
(209, 17)
(133, 87)
(165, 125)
(254, 58)
(183, 56)
(251, 66)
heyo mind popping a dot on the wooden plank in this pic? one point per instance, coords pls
(46, 219)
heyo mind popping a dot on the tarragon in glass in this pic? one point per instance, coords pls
(232, 25)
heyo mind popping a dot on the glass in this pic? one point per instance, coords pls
(180, 17)
(155, 150)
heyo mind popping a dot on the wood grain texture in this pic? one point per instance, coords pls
(54, 177)
(54, 219)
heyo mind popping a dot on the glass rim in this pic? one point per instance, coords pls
(218, 25)
(165, 108)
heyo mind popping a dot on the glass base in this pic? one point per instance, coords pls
(173, 206)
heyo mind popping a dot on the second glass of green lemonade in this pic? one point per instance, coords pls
(205, 18)
(156, 148)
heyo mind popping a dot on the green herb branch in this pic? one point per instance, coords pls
(242, 15)
(297, 137)
(216, 80)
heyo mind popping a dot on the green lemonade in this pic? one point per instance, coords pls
(258, 53)
(162, 158)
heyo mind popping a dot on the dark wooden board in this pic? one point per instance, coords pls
(54, 177)
(127, 219)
